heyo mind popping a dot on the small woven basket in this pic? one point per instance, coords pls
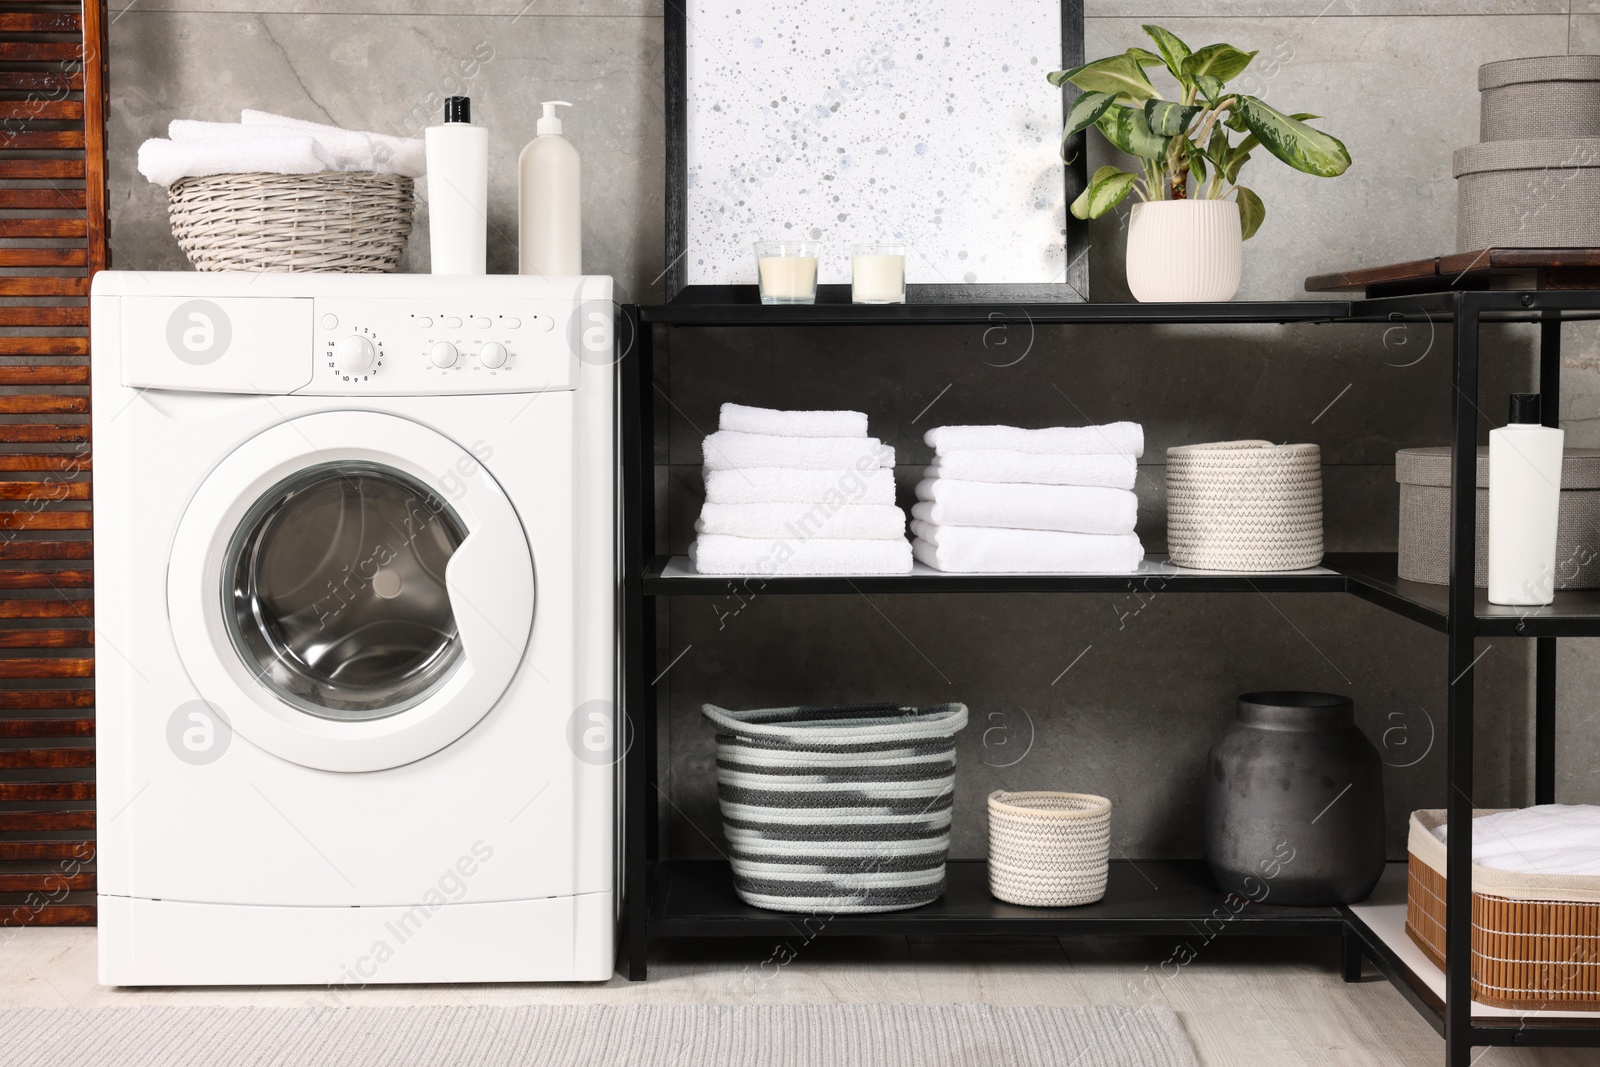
(1048, 849)
(340, 221)
(1244, 506)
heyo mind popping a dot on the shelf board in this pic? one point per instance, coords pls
(1380, 924)
(1374, 577)
(676, 576)
(695, 898)
(991, 314)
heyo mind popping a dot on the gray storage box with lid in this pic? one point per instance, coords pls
(1539, 98)
(1424, 477)
(1528, 194)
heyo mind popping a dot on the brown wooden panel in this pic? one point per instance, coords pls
(23, 791)
(44, 346)
(57, 462)
(43, 432)
(17, 521)
(56, 285)
(40, 699)
(42, 257)
(33, 759)
(44, 882)
(45, 550)
(42, 638)
(48, 82)
(44, 316)
(74, 228)
(47, 579)
(41, 200)
(59, 374)
(47, 727)
(1361, 277)
(48, 915)
(31, 139)
(39, 51)
(45, 607)
(43, 404)
(45, 820)
(68, 853)
(32, 22)
(47, 667)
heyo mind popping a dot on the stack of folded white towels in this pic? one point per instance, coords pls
(798, 492)
(1003, 499)
(264, 143)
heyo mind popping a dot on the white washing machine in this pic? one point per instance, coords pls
(355, 584)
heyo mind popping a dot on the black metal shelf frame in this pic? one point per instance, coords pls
(683, 899)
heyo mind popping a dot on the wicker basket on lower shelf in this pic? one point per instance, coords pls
(1535, 938)
(350, 222)
(1048, 849)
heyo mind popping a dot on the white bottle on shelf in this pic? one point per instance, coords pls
(458, 191)
(549, 213)
(1524, 504)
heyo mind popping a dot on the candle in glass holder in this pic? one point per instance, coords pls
(787, 271)
(878, 274)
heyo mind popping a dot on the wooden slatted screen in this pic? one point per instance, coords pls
(52, 240)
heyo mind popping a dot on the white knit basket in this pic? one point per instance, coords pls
(1244, 506)
(1048, 849)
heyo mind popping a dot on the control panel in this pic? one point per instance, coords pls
(393, 347)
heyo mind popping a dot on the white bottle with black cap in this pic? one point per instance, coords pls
(1524, 504)
(458, 191)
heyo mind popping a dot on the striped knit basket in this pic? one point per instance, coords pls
(837, 809)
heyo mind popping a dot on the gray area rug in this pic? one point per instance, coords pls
(817, 1035)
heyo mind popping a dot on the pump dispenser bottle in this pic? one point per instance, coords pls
(1524, 504)
(458, 191)
(549, 218)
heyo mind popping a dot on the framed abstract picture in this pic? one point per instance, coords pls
(927, 123)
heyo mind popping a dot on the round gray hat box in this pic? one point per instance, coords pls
(1424, 477)
(1539, 98)
(1528, 194)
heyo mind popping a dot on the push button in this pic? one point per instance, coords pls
(453, 323)
(482, 323)
(423, 322)
(545, 323)
(511, 324)
(330, 322)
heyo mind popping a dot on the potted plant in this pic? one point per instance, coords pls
(1185, 239)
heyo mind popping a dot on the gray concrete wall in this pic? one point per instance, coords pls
(1151, 678)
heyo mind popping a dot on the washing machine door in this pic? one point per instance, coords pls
(352, 590)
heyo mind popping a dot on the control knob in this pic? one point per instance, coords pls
(443, 355)
(354, 354)
(492, 355)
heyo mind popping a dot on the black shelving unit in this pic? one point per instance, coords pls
(670, 898)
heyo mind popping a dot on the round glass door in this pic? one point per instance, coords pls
(334, 591)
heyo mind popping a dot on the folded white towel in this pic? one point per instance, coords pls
(1040, 468)
(1120, 438)
(982, 550)
(164, 162)
(792, 423)
(878, 522)
(721, 554)
(1068, 508)
(779, 485)
(355, 149)
(729, 449)
(1545, 839)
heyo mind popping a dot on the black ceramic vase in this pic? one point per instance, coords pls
(1294, 802)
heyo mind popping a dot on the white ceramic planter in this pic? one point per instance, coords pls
(1184, 250)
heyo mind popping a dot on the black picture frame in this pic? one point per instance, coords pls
(1073, 289)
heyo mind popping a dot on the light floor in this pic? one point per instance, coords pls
(1245, 1003)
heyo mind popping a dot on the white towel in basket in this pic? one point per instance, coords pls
(1067, 508)
(164, 162)
(355, 149)
(1545, 839)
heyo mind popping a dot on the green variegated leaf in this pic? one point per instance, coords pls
(1144, 57)
(1168, 119)
(1058, 78)
(1236, 159)
(1220, 61)
(1126, 128)
(1210, 88)
(1291, 140)
(1173, 51)
(1085, 110)
(1196, 160)
(1252, 212)
(1106, 190)
(1116, 74)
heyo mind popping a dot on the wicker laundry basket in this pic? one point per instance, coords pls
(1539, 98)
(829, 810)
(1244, 506)
(1048, 849)
(1424, 477)
(1533, 936)
(338, 221)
